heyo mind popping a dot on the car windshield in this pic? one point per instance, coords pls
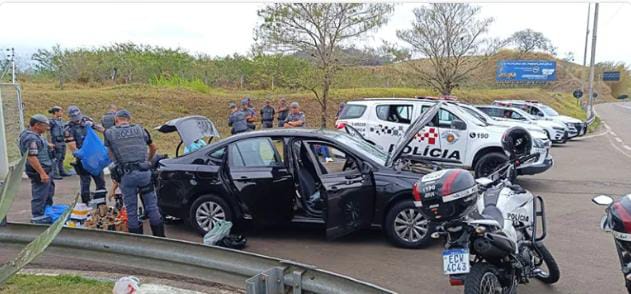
(548, 111)
(477, 114)
(363, 147)
(524, 114)
(467, 116)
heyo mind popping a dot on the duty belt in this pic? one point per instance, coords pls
(126, 168)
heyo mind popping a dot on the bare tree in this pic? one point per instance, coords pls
(450, 36)
(318, 28)
(528, 41)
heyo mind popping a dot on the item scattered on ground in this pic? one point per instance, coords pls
(55, 211)
(233, 242)
(220, 230)
(126, 285)
(101, 218)
(93, 154)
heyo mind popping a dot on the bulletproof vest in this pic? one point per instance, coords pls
(78, 132)
(108, 120)
(43, 154)
(268, 113)
(282, 115)
(127, 143)
(57, 130)
(239, 123)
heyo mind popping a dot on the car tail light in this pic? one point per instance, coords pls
(416, 193)
(456, 281)
(340, 125)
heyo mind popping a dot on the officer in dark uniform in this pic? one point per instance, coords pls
(75, 132)
(131, 148)
(296, 118)
(267, 115)
(238, 119)
(282, 111)
(39, 167)
(107, 121)
(57, 126)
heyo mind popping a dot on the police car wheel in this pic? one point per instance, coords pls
(406, 227)
(206, 211)
(487, 164)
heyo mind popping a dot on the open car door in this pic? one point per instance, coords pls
(348, 192)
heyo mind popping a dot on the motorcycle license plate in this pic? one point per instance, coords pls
(456, 261)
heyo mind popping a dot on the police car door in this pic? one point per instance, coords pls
(449, 135)
(390, 124)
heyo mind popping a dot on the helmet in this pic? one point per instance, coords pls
(517, 142)
(445, 195)
(619, 219)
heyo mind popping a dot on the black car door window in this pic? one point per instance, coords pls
(256, 152)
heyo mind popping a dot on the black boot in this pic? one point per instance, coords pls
(158, 230)
(85, 198)
(136, 230)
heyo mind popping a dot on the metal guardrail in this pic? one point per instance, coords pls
(206, 263)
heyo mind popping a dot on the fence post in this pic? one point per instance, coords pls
(4, 157)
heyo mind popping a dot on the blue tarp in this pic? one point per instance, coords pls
(55, 211)
(93, 154)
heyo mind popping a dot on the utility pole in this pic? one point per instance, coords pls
(592, 60)
(589, 12)
(13, 65)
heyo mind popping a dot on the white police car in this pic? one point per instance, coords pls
(575, 126)
(454, 138)
(556, 131)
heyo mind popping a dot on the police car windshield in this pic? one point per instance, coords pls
(526, 115)
(467, 116)
(548, 111)
(477, 114)
(363, 147)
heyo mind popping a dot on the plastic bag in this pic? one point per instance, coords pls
(220, 230)
(55, 211)
(93, 154)
(126, 285)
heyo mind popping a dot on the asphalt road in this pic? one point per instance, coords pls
(595, 164)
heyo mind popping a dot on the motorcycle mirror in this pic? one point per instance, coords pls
(602, 200)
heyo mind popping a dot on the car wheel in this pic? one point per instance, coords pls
(487, 164)
(406, 227)
(206, 211)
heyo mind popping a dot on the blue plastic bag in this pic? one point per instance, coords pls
(55, 211)
(93, 154)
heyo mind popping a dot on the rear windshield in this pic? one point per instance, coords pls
(352, 111)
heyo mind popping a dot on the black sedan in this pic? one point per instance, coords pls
(298, 175)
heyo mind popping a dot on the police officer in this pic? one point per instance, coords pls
(251, 112)
(238, 118)
(131, 148)
(267, 115)
(295, 118)
(57, 126)
(39, 167)
(75, 132)
(107, 121)
(282, 112)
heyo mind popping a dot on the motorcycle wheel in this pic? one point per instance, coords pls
(483, 279)
(553, 274)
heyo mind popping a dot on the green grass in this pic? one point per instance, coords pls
(67, 284)
(152, 105)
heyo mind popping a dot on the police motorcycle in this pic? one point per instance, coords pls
(617, 220)
(490, 224)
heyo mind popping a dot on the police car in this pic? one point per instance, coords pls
(556, 131)
(575, 126)
(454, 138)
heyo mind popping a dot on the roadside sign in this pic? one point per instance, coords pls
(578, 93)
(523, 71)
(611, 76)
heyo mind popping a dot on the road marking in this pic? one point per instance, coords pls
(622, 105)
(614, 134)
(618, 139)
(626, 147)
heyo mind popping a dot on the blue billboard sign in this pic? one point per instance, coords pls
(523, 71)
(611, 76)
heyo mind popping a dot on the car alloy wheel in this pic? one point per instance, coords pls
(208, 213)
(410, 225)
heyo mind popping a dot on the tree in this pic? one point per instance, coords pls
(318, 28)
(528, 41)
(450, 36)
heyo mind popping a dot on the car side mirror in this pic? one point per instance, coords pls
(458, 125)
(602, 200)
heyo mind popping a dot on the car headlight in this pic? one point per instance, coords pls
(559, 129)
(539, 143)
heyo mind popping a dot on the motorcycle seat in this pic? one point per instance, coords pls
(493, 213)
(491, 195)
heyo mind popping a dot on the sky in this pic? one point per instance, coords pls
(220, 29)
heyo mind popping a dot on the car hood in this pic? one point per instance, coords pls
(511, 123)
(544, 123)
(412, 131)
(567, 119)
